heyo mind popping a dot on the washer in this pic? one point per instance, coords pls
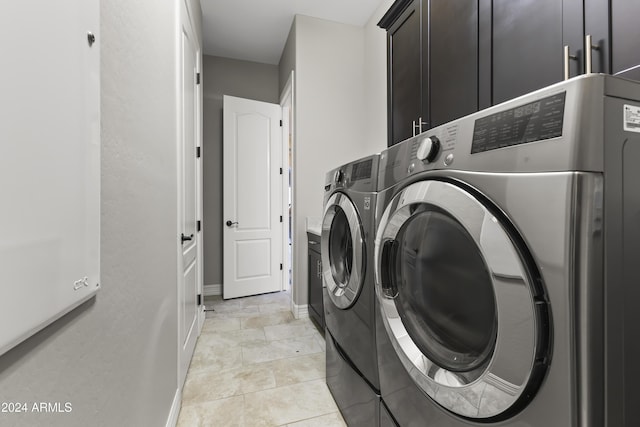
(349, 296)
(505, 264)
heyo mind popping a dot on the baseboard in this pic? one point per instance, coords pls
(299, 311)
(210, 290)
(172, 421)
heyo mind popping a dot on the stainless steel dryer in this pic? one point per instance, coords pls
(506, 264)
(349, 296)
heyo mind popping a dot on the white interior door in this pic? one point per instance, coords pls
(188, 201)
(252, 197)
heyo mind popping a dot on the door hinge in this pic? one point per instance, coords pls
(199, 299)
(199, 225)
(280, 218)
(197, 78)
(280, 171)
(280, 266)
(198, 152)
(280, 123)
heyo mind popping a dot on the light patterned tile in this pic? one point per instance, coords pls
(233, 308)
(218, 413)
(215, 359)
(330, 420)
(232, 338)
(240, 312)
(320, 340)
(263, 320)
(208, 386)
(288, 404)
(255, 352)
(298, 369)
(293, 329)
(221, 324)
(273, 307)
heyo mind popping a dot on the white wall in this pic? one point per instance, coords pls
(330, 118)
(115, 358)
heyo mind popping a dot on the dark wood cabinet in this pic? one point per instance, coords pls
(614, 33)
(316, 307)
(453, 59)
(432, 64)
(449, 58)
(528, 40)
(407, 98)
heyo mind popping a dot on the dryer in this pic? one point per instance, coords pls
(505, 263)
(349, 296)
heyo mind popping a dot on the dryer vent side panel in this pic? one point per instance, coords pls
(622, 253)
(49, 163)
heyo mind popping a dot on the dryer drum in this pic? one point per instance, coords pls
(457, 300)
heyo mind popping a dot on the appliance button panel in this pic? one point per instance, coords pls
(448, 159)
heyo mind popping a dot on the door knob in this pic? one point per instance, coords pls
(230, 223)
(184, 238)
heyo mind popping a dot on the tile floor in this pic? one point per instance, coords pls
(256, 365)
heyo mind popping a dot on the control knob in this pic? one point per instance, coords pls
(338, 177)
(428, 149)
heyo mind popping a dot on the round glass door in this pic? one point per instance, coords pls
(457, 301)
(342, 251)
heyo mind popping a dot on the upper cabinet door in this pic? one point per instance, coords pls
(625, 38)
(529, 37)
(614, 41)
(453, 59)
(404, 61)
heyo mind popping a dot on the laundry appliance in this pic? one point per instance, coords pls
(349, 296)
(506, 263)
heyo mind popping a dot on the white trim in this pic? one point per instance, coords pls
(175, 409)
(210, 290)
(288, 111)
(299, 311)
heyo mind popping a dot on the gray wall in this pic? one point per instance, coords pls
(115, 358)
(340, 79)
(288, 58)
(222, 76)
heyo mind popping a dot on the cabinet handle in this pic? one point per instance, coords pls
(420, 123)
(567, 57)
(415, 126)
(311, 242)
(588, 47)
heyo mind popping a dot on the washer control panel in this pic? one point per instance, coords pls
(428, 148)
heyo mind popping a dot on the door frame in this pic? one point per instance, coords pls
(185, 15)
(200, 189)
(288, 129)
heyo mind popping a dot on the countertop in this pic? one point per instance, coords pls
(314, 225)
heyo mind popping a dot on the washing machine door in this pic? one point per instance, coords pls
(342, 250)
(458, 300)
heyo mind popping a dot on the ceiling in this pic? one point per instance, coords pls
(256, 30)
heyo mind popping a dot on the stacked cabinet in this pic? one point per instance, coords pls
(407, 98)
(449, 58)
(421, 64)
